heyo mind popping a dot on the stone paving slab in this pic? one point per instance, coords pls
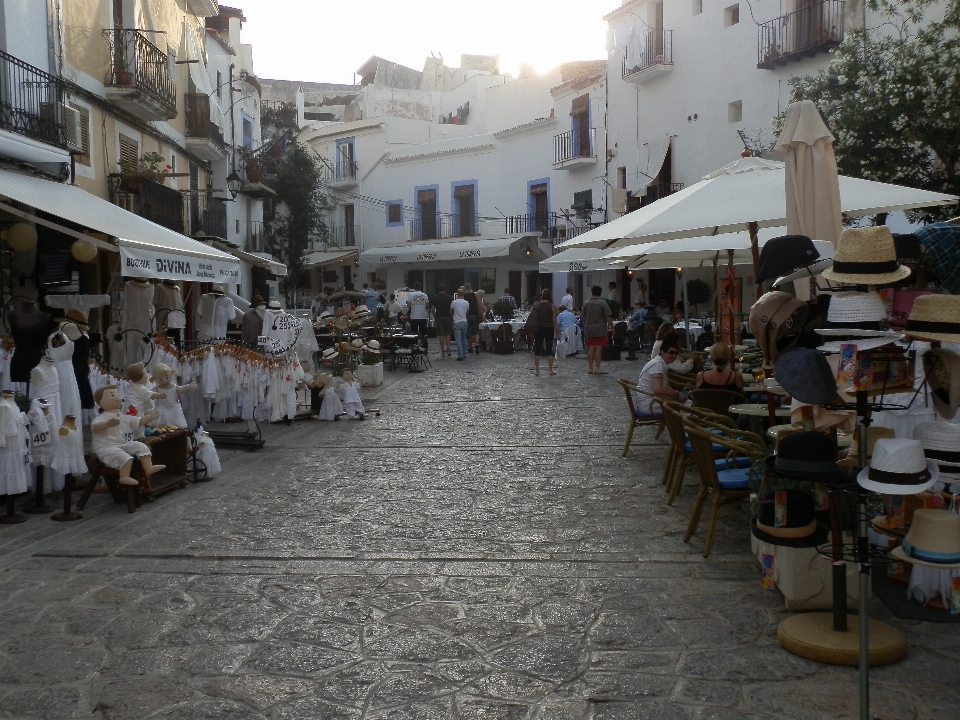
(481, 551)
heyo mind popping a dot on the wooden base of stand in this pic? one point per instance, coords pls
(67, 515)
(811, 635)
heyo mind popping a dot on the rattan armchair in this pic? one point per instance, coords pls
(638, 419)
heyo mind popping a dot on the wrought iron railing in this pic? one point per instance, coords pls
(657, 49)
(343, 235)
(655, 191)
(137, 62)
(343, 171)
(208, 216)
(544, 223)
(464, 225)
(199, 125)
(255, 238)
(572, 144)
(427, 227)
(813, 29)
(149, 200)
(30, 101)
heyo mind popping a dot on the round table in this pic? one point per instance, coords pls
(758, 410)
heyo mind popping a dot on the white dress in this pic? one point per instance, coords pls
(350, 395)
(14, 448)
(215, 312)
(68, 455)
(171, 411)
(330, 408)
(136, 398)
(42, 435)
(45, 383)
(137, 315)
(69, 389)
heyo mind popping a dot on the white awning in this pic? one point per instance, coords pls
(466, 251)
(319, 258)
(260, 260)
(578, 260)
(146, 249)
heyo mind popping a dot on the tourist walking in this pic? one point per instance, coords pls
(597, 324)
(442, 320)
(547, 330)
(458, 311)
(417, 303)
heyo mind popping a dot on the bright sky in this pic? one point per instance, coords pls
(327, 40)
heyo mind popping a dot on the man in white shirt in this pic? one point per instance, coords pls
(567, 300)
(613, 295)
(459, 309)
(417, 306)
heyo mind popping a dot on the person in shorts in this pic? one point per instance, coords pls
(597, 323)
(442, 318)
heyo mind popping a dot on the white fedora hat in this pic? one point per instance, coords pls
(856, 314)
(866, 256)
(941, 443)
(356, 343)
(933, 540)
(898, 467)
(330, 353)
(934, 317)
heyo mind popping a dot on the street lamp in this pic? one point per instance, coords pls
(234, 182)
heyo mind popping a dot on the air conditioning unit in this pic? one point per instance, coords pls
(73, 128)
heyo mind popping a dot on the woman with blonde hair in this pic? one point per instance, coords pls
(723, 376)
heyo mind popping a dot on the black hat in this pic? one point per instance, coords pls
(782, 255)
(806, 375)
(798, 529)
(806, 456)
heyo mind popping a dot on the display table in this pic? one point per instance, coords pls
(168, 449)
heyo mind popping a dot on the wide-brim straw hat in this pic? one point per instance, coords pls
(371, 350)
(941, 443)
(866, 256)
(874, 433)
(833, 347)
(941, 367)
(932, 541)
(898, 467)
(806, 375)
(934, 317)
(856, 314)
(78, 317)
(356, 343)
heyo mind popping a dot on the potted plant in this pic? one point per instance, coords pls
(122, 74)
(503, 309)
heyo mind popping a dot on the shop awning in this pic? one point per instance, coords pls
(258, 260)
(146, 249)
(577, 260)
(421, 252)
(320, 258)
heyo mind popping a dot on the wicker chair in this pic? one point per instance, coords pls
(729, 484)
(679, 381)
(638, 419)
(717, 401)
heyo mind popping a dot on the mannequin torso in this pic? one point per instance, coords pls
(29, 327)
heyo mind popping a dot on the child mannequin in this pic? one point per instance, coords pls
(113, 441)
(139, 396)
(349, 392)
(330, 408)
(168, 402)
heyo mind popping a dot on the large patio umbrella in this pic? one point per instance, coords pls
(577, 260)
(748, 191)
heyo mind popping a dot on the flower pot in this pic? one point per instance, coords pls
(369, 375)
(122, 77)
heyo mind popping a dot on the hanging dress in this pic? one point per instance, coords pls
(62, 356)
(68, 454)
(45, 383)
(14, 448)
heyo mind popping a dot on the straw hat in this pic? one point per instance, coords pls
(356, 343)
(941, 443)
(898, 467)
(361, 311)
(330, 354)
(372, 346)
(874, 433)
(806, 456)
(941, 367)
(274, 305)
(935, 317)
(933, 540)
(806, 375)
(772, 323)
(77, 317)
(856, 314)
(866, 256)
(795, 525)
(326, 315)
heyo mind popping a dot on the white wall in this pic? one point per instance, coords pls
(25, 31)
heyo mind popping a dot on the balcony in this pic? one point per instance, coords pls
(343, 174)
(208, 217)
(653, 58)
(149, 200)
(343, 236)
(575, 149)
(140, 80)
(203, 8)
(546, 225)
(815, 29)
(441, 227)
(204, 137)
(256, 241)
(658, 190)
(31, 102)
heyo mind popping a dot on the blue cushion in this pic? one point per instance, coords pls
(688, 448)
(645, 416)
(733, 479)
(738, 462)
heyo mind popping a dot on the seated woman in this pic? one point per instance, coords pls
(653, 378)
(680, 366)
(723, 376)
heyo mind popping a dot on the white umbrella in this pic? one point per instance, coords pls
(577, 260)
(749, 190)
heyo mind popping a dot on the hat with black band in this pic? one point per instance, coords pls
(941, 369)
(788, 518)
(866, 256)
(941, 443)
(898, 466)
(806, 456)
(934, 317)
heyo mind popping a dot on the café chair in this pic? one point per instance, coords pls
(638, 419)
(729, 484)
(503, 340)
(718, 401)
(679, 381)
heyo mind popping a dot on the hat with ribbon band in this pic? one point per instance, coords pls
(805, 456)
(898, 467)
(866, 256)
(941, 443)
(788, 518)
(934, 317)
(933, 540)
(856, 314)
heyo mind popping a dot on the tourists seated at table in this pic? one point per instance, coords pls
(685, 367)
(723, 376)
(678, 312)
(653, 378)
(565, 318)
(639, 316)
(394, 309)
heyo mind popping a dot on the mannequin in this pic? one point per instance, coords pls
(171, 412)
(215, 311)
(138, 313)
(68, 455)
(75, 327)
(45, 383)
(111, 437)
(252, 325)
(138, 397)
(60, 348)
(14, 448)
(349, 392)
(29, 327)
(169, 304)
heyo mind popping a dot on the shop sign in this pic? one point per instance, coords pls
(152, 263)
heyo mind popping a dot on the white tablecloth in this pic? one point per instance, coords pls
(516, 325)
(695, 330)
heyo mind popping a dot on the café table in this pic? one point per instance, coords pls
(755, 411)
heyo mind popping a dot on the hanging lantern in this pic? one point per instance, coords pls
(83, 251)
(21, 237)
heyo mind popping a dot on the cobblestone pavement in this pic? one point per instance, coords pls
(481, 551)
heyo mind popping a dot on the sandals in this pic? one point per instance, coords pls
(553, 372)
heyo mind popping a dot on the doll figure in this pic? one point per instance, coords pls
(330, 407)
(139, 396)
(349, 392)
(113, 441)
(168, 402)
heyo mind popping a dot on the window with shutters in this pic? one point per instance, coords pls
(465, 219)
(395, 213)
(427, 222)
(129, 151)
(84, 157)
(583, 202)
(580, 127)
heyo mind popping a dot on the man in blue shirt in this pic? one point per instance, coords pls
(371, 298)
(639, 316)
(565, 319)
